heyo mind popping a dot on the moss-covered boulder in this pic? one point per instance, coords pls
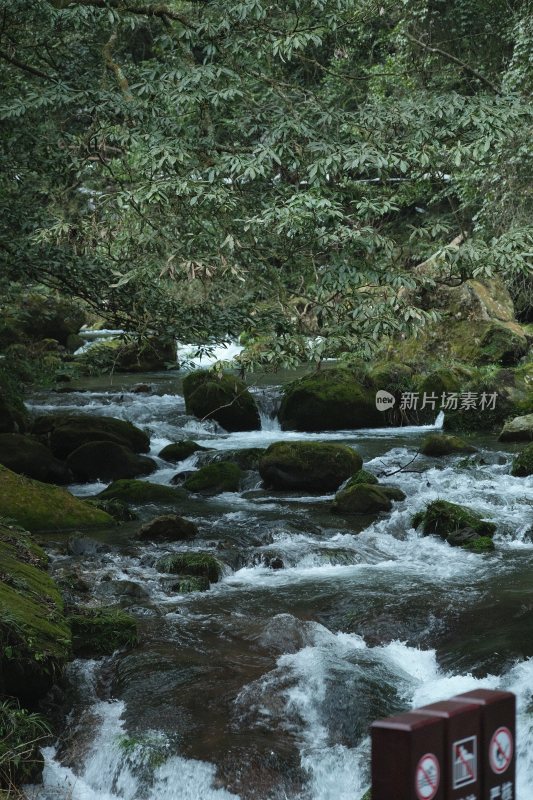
(444, 519)
(168, 528)
(438, 445)
(331, 399)
(196, 564)
(41, 315)
(223, 398)
(366, 498)
(107, 461)
(66, 433)
(246, 458)
(117, 509)
(362, 476)
(101, 631)
(141, 492)
(40, 507)
(179, 451)
(308, 466)
(149, 355)
(225, 476)
(523, 462)
(34, 636)
(29, 457)
(469, 539)
(519, 429)
(191, 583)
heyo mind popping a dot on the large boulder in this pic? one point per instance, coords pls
(38, 506)
(41, 316)
(331, 399)
(107, 461)
(366, 498)
(150, 355)
(309, 466)
(13, 414)
(444, 519)
(179, 451)
(440, 444)
(519, 429)
(129, 490)
(29, 457)
(196, 564)
(223, 398)
(523, 462)
(65, 433)
(214, 479)
(168, 528)
(34, 635)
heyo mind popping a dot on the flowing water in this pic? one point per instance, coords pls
(263, 687)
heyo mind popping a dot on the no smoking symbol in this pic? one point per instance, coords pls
(501, 750)
(427, 777)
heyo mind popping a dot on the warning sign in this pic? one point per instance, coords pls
(464, 762)
(427, 777)
(501, 750)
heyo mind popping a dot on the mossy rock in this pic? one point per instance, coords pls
(331, 399)
(523, 462)
(149, 355)
(223, 398)
(49, 316)
(179, 451)
(197, 564)
(27, 456)
(101, 631)
(362, 476)
(140, 492)
(246, 458)
(519, 429)
(367, 795)
(38, 506)
(66, 433)
(13, 414)
(443, 518)
(308, 466)
(366, 498)
(475, 544)
(107, 461)
(438, 445)
(115, 508)
(214, 479)
(198, 583)
(168, 528)
(35, 639)
(494, 403)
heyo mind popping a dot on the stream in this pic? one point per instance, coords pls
(263, 687)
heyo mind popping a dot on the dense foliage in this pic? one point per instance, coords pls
(196, 169)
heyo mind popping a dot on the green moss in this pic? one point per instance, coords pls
(483, 544)
(101, 631)
(312, 466)
(247, 458)
(139, 492)
(65, 433)
(197, 583)
(437, 445)
(197, 564)
(365, 498)
(34, 636)
(115, 508)
(41, 507)
(178, 451)
(215, 478)
(331, 399)
(443, 518)
(224, 398)
(523, 462)
(362, 476)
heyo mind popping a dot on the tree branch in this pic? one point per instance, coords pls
(159, 10)
(450, 57)
(37, 73)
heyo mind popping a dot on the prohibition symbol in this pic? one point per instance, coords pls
(501, 750)
(427, 777)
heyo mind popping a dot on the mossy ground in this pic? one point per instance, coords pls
(38, 506)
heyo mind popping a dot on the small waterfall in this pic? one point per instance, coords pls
(268, 400)
(439, 422)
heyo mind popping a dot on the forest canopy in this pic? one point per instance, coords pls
(196, 169)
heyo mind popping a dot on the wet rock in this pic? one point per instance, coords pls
(13, 415)
(332, 399)
(179, 451)
(41, 507)
(438, 445)
(101, 631)
(311, 466)
(365, 498)
(168, 528)
(246, 459)
(362, 476)
(29, 457)
(115, 508)
(523, 462)
(142, 388)
(276, 563)
(214, 479)
(469, 539)
(66, 433)
(139, 492)
(129, 589)
(198, 583)
(148, 355)
(107, 461)
(444, 519)
(84, 546)
(519, 429)
(34, 635)
(223, 398)
(180, 477)
(197, 564)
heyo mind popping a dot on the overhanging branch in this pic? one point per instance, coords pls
(450, 57)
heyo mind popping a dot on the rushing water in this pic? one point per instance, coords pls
(263, 687)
